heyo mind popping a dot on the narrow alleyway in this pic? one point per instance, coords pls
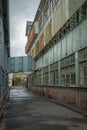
(28, 111)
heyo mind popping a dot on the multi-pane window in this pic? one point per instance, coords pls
(83, 54)
(68, 70)
(83, 73)
(40, 23)
(68, 61)
(54, 79)
(46, 12)
(53, 3)
(37, 77)
(46, 75)
(83, 66)
(49, 6)
(72, 75)
(68, 76)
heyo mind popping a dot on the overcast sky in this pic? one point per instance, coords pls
(20, 12)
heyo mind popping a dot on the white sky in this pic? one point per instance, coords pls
(20, 12)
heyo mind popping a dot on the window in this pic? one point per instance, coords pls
(50, 5)
(83, 73)
(46, 12)
(46, 75)
(83, 54)
(54, 79)
(83, 66)
(37, 77)
(68, 76)
(53, 3)
(68, 61)
(72, 75)
(68, 70)
(40, 23)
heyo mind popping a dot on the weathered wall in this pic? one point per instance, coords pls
(48, 32)
(61, 13)
(74, 5)
(41, 41)
(76, 98)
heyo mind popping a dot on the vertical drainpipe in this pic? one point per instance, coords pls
(77, 80)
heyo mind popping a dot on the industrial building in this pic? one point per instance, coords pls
(57, 41)
(4, 52)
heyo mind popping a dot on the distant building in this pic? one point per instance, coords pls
(57, 42)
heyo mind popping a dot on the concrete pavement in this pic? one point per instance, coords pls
(28, 111)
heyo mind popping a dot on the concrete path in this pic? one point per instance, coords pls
(28, 111)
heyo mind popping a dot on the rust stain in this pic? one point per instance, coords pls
(30, 39)
(39, 45)
(37, 48)
(41, 42)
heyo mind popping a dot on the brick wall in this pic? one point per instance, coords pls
(71, 96)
